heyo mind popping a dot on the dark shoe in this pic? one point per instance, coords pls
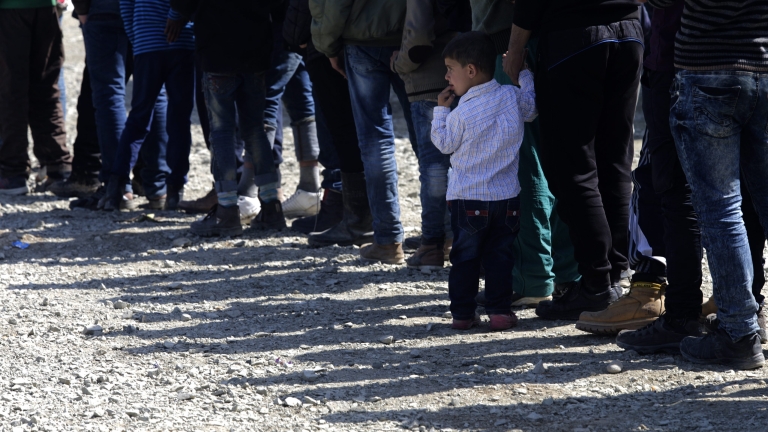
(412, 243)
(13, 185)
(662, 335)
(90, 202)
(427, 257)
(331, 213)
(711, 323)
(75, 186)
(561, 288)
(719, 348)
(270, 217)
(200, 205)
(175, 196)
(466, 324)
(220, 221)
(574, 302)
(116, 197)
(518, 300)
(762, 317)
(387, 254)
(356, 226)
(642, 306)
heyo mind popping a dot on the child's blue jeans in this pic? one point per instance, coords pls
(483, 235)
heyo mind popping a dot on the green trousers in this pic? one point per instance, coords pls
(543, 249)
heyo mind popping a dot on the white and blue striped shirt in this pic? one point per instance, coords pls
(484, 134)
(144, 22)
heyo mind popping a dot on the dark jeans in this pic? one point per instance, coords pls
(370, 80)
(756, 238)
(86, 162)
(334, 105)
(484, 233)
(718, 119)
(670, 198)
(110, 65)
(236, 102)
(175, 70)
(31, 57)
(586, 111)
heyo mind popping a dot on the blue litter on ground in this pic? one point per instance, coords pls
(20, 244)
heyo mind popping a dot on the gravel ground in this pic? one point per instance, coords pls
(123, 322)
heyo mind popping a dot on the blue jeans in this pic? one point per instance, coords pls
(174, 69)
(110, 63)
(484, 233)
(433, 175)
(236, 103)
(719, 121)
(369, 79)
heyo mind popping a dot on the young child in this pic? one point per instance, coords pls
(483, 135)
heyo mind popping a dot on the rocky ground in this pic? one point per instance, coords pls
(127, 322)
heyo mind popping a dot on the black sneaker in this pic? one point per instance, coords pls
(270, 217)
(574, 302)
(220, 221)
(662, 335)
(412, 243)
(13, 185)
(711, 323)
(719, 348)
(90, 202)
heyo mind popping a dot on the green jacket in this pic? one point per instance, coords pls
(26, 4)
(494, 18)
(356, 22)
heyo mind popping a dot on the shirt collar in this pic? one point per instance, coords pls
(480, 90)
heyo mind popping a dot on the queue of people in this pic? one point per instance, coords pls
(520, 114)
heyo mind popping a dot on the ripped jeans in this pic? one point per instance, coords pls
(433, 175)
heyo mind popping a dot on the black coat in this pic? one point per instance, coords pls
(231, 36)
(297, 30)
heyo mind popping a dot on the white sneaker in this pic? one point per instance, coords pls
(302, 204)
(249, 208)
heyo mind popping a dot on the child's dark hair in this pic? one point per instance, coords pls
(473, 48)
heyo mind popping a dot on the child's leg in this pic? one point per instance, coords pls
(497, 256)
(469, 221)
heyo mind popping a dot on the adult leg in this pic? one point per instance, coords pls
(86, 162)
(369, 81)
(756, 238)
(46, 117)
(16, 34)
(180, 85)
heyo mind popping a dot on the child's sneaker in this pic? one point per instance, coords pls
(465, 324)
(503, 322)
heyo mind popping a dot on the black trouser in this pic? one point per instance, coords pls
(31, 56)
(586, 110)
(86, 162)
(756, 238)
(332, 98)
(679, 228)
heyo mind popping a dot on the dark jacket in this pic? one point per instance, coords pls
(231, 36)
(297, 30)
(554, 15)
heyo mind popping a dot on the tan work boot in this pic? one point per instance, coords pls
(643, 304)
(709, 307)
(387, 254)
(427, 257)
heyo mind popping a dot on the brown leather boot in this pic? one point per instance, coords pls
(643, 305)
(387, 254)
(200, 205)
(427, 257)
(220, 221)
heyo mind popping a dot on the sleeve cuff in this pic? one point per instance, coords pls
(441, 111)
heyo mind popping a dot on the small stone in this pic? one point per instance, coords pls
(261, 390)
(387, 340)
(448, 315)
(521, 390)
(185, 396)
(614, 367)
(292, 402)
(402, 317)
(99, 412)
(169, 344)
(181, 242)
(128, 314)
(263, 410)
(234, 368)
(548, 401)
(120, 304)
(175, 286)
(348, 325)
(12, 321)
(534, 416)
(93, 330)
(66, 381)
(132, 413)
(415, 353)
(310, 375)
(540, 368)
(377, 365)
(500, 422)
(45, 302)
(53, 328)
(86, 391)
(153, 373)
(311, 401)
(186, 317)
